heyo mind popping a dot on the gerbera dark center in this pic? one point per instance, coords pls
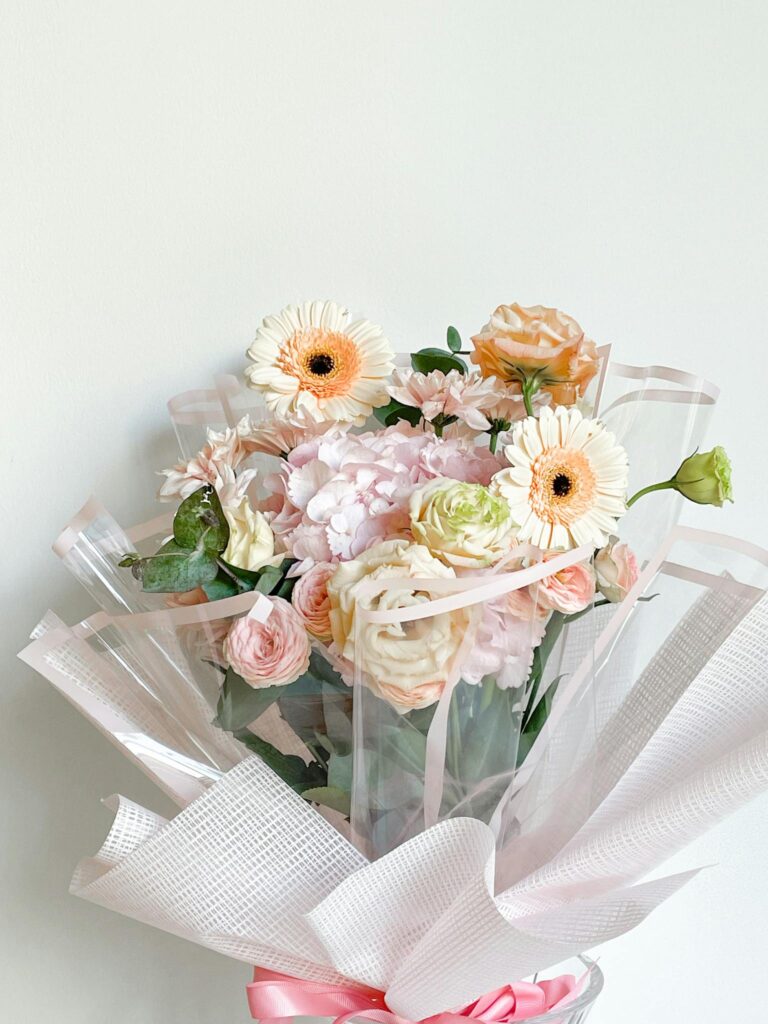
(561, 485)
(320, 364)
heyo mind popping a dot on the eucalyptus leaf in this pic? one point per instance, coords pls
(429, 359)
(174, 569)
(200, 519)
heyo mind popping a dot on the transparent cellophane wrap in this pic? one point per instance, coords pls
(454, 874)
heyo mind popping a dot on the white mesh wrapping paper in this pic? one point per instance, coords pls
(251, 870)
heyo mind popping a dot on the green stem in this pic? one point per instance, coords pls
(665, 486)
(438, 428)
(494, 441)
(455, 733)
(529, 387)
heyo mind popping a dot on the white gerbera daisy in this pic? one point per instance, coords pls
(567, 483)
(311, 364)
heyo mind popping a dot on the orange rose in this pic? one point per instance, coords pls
(520, 342)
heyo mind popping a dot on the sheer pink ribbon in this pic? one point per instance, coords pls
(276, 998)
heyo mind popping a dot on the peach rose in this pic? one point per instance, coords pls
(186, 599)
(569, 590)
(617, 571)
(520, 341)
(411, 700)
(310, 599)
(271, 653)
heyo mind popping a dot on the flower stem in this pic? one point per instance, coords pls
(493, 441)
(529, 387)
(664, 486)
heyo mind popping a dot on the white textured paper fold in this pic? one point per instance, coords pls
(249, 869)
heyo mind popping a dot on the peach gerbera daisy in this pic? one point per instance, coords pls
(311, 364)
(567, 483)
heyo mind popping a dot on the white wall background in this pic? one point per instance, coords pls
(173, 171)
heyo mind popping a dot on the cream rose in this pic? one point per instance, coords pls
(310, 599)
(408, 663)
(251, 541)
(462, 524)
(271, 653)
(617, 572)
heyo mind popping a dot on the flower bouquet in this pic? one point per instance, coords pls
(427, 664)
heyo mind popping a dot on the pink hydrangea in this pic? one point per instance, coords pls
(502, 646)
(341, 493)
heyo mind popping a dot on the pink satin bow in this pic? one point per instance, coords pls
(277, 998)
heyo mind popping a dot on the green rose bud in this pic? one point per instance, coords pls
(462, 524)
(705, 477)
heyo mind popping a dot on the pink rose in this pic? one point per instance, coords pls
(310, 599)
(617, 571)
(271, 653)
(568, 591)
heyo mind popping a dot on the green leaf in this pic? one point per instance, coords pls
(174, 569)
(128, 560)
(340, 771)
(321, 668)
(267, 580)
(286, 588)
(454, 339)
(536, 721)
(241, 704)
(429, 359)
(199, 520)
(290, 767)
(270, 577)
(222, 586)
(392, 412)
(329, 796)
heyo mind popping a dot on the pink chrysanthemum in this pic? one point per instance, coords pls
(445, 395)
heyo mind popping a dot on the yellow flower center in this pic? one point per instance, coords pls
(325, 363)
(563, 487)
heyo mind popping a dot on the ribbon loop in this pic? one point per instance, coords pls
(275, 998)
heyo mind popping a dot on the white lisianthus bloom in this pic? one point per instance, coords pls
(251, 541)
(409, 663)
(462, 524)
